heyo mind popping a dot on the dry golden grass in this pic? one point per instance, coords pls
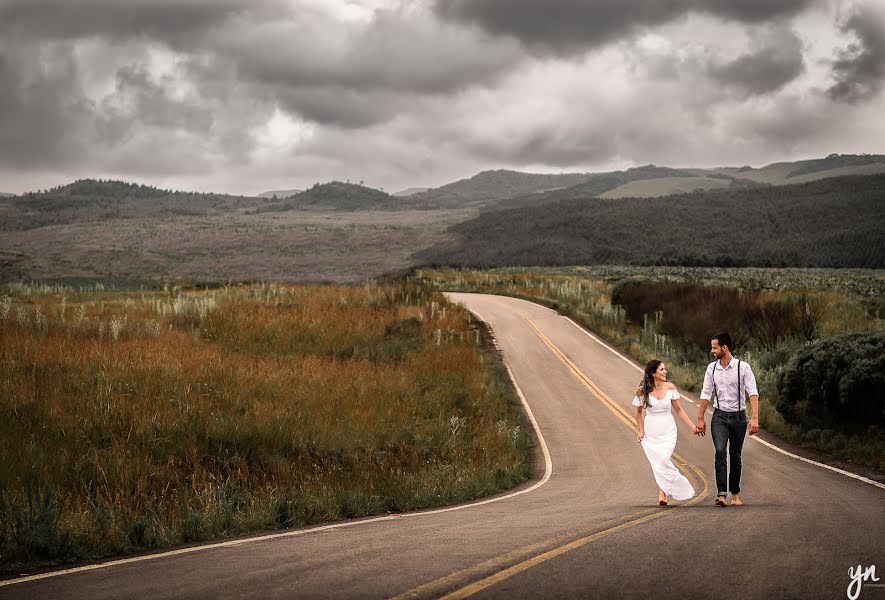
(132, 421)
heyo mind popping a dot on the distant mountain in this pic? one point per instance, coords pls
(410, 191)
(595, 185)
(97, 200)
(337, 195)
(665, 186)
(509, 189)
(489, 187)
(835, 161)
(279, 193)
(803, 171)
(834, 222)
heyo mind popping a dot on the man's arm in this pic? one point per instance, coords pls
(753, 425)
(706, 394)
(752, 390)
(702, 416)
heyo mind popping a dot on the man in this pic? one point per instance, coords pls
(730, 380)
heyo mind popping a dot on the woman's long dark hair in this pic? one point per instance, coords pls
(648, 380)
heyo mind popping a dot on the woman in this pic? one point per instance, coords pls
(657, 431)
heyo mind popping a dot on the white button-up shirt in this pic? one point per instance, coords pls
(729, 391)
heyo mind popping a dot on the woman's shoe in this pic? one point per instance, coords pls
(662, 502)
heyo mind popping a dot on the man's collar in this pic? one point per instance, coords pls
(730, 363)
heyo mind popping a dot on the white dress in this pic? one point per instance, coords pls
(659, 443)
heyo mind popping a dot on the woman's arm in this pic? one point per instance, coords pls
(680, 412)
(640, 424)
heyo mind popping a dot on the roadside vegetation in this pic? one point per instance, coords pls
(136, 420)
(815, 337)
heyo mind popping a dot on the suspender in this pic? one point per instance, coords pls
(740, 387)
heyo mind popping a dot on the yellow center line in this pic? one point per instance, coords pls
(635, 519)
(618, 410)
(454, 578)
(624, 416)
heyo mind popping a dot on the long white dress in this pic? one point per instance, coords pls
(659, 443)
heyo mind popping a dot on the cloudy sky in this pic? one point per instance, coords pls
(243, 96)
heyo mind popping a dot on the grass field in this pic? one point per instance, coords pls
(296, 246)
(135, 420)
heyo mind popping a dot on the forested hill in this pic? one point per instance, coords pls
(337, 195)
(95, 200)
(836, 222)
(508, 189)
(595, 185)
(835, 161)
(489, 187)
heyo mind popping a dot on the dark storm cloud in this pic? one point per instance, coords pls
(335, 73)
(574, 26)
(235, 91)
(236, 59)
(44, 115)
(340, 107)
(767, 69)
(562, 149)
(859, 70)
(119, 19)
(145, 124)
(391, 53)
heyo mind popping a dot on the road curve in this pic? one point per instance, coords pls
(588, 527)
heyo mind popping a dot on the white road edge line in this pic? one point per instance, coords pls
(756, 438)
(548, 471)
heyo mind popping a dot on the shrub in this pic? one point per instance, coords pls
(691, 313)
(835, 383)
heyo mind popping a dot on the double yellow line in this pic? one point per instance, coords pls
(619, 411)
(636, 519)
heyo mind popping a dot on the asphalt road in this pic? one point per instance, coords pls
(587, 527)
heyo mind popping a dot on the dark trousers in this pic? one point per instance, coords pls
(728, 430)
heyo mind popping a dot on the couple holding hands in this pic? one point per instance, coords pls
(728, 381)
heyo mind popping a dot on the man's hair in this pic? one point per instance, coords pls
(724, 339)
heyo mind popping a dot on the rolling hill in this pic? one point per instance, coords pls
(836, 222)
(340, 196)
(665, 186)
(346, 232)
(803, 171)
(595, 185)
(279, 193)
(411, 191)
(97, 200)
(509, 189)
(489, 187)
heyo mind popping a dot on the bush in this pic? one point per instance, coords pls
(691, 313)
(835, 383)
